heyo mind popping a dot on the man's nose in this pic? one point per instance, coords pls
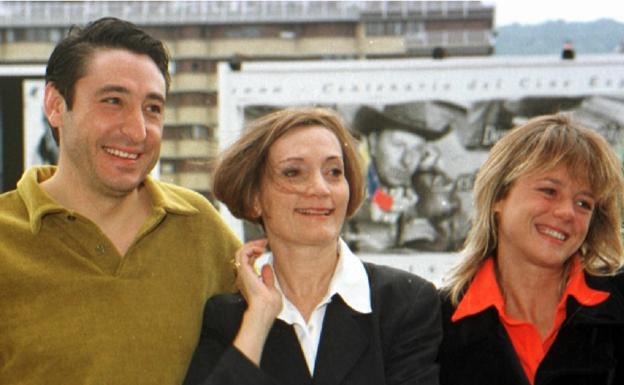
(411, 158)
(134, 125)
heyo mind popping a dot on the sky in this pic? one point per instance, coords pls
(537, 11)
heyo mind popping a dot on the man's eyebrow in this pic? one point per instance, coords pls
(112, 88)
(123, 90)
(156, 96)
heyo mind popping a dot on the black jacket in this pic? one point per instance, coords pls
(395, 344)
(588, 350)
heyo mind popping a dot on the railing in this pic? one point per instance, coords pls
(65, 13)
(172, 12)
(427, 9)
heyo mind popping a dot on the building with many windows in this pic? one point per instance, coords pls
(199, 34)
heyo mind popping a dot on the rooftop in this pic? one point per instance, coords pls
(66, 13)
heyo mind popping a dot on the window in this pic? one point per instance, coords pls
(56, 35)
(188, 132)
(395, 28)
(387, 28)
(243, 32)
(375, 28)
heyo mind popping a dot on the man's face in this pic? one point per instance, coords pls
(110, 140)
(397, 155)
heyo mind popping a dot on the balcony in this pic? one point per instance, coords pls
(202, 115)
(194, 82)
(460, 38)
(26, 52)
(64, 13)
(188, 148)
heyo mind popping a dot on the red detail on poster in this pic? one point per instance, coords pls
(383, 200)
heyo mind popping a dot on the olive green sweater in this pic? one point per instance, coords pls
(73, 311)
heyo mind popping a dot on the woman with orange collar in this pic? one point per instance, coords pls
(537, 298)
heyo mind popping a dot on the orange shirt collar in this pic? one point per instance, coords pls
(484, 292)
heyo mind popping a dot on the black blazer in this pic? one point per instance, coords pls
(588, 350)
(395, 344)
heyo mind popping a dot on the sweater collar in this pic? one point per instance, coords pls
(39, 203)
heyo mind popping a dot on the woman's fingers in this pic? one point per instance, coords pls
(249, 250)
(260, 291)
(249, 281)
(272, 298)
(267, 276)
(255, 245)
(258, 287)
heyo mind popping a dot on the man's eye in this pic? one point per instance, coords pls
(336, 171)
(548, 190)
(154, 109)
(111, 100)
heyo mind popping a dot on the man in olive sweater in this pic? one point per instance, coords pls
(104, 271)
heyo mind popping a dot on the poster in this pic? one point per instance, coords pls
(39, 145)
(424, 128)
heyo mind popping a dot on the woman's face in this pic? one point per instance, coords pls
(303, 192)
(544, 218)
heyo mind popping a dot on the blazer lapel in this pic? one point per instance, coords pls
(344, 339)
(476, 339)
(282, 357)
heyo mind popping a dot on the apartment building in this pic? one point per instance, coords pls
(199, 34)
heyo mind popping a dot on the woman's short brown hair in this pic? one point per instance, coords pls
(241, 167)
(542, 144)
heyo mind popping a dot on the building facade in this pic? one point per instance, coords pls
(199, 34)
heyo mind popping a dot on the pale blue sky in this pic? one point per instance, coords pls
(537, 11)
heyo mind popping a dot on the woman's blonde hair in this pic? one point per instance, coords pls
(541, 144)
(241, 167)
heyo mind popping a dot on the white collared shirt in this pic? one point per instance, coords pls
(350, 281)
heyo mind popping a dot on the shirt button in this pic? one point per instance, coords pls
(100, 249)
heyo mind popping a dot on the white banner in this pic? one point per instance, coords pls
(418, 211)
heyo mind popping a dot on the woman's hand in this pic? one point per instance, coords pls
(264, 302)
(258, 290)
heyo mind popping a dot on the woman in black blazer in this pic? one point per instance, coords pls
(310, 311)
(538, 298)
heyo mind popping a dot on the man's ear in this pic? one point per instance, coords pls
(54, 105)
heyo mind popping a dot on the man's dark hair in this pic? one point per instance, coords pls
(69, 59)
